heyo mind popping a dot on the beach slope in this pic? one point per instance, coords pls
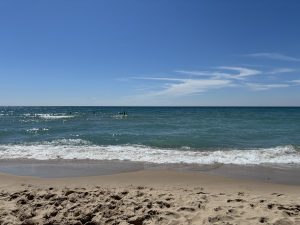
(146, 197)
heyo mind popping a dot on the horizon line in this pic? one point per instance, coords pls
(166, 106)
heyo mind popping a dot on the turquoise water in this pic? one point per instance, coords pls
(239, 135)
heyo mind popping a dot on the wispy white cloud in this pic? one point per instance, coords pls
(241, 72)
(181, 87)
(193, 86)
(191, 82)
(201, 73)
(263, 87)
(228, 72)
(296, 82)
(236, 72)
(276, 56)
(281, 70)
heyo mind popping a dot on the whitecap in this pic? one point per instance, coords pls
(34, 130)
(54, 116)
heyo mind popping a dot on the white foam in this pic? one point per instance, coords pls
(54, 116)
(80, 149)
(34, 130)
(119, 117)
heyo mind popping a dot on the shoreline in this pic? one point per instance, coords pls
(60, 168)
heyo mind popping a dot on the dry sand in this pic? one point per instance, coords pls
(147, 197)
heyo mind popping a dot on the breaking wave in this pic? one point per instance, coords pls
(81, 149)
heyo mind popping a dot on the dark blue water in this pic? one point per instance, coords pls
(150, 130)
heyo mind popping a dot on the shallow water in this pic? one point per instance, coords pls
(204, 135)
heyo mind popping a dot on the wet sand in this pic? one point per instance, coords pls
(147, 194)
(78, 168)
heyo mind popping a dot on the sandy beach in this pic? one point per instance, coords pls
(155, 196)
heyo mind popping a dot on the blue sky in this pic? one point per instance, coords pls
(164, 52)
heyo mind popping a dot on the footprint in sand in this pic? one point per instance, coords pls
(186, 209)
(219, 208)
(263, 219)
(172, 214)
(218, 218)
(283, 221)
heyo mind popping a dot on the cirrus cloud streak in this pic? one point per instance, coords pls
(220, 77)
